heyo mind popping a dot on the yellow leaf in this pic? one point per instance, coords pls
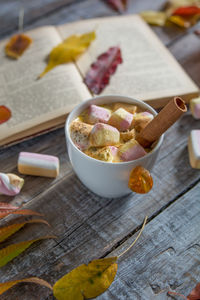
(86, 281)
(68, 50)
(7, 231)
(10, 252)
(181, 22)
(7, 285)
(154, 17)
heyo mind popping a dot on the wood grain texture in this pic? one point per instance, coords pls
(167, 256)
(87, 226)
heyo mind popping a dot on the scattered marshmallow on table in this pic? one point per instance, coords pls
(195, 107)
(80, 132)
(104, 135)
(10, 184)
(121, 119)
(194, 149)
(141, 120)
(96, 114)
(38, 164)
(131, 150)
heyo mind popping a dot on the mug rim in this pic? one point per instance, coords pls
(118, 99)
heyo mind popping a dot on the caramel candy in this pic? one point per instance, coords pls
(140, 180)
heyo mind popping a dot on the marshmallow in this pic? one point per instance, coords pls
(195, 107)
(104, 135)
(97, 114)
(107, 154)
(128, 135)
(141, 120)
(38, 164)
(128, 107)
(121, 119)
(10, 184)
(131, 150)
(194, 149)
(80, 134)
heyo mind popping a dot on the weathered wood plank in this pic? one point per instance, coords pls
(9, 12)
(88, 226)
(59, 12)
(166, 256)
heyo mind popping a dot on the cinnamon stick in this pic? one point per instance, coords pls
(165, 119)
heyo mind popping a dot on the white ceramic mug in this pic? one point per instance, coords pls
(107, 179)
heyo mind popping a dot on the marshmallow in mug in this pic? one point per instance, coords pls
(10, 184)
(119, 130)
(96, 114)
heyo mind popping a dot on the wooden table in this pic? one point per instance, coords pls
(167, 256)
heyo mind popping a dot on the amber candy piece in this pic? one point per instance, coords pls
(17, 45)
(5, 114)
(140, 180)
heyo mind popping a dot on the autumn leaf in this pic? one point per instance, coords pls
(195, 293)
(68, 50)
(17, 45)
(118, 5)
(7, 209)
(86, 281)
(10, 252)
(5, 114)
(7, 206)
(154, 17)
(7, 285)
(100, 71)
(181, 22)
(187, 11)
(7, 231)
(90, 281)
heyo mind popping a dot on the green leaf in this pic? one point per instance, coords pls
(10, 252)
(7, 231)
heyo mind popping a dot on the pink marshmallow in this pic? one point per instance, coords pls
(97, 114)
(104, 135)
(131, 150)
(121, 119)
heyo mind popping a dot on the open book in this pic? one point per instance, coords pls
(148, 72)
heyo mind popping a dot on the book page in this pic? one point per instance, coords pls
(148, 72)
(33, 101)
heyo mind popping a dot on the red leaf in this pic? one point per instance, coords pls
(195, 293)
(7, 206)
(98, 76)
(118, 5)
(187, 11)
(7, 209)
(5, 114)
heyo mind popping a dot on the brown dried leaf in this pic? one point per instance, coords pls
(7, 285)
(195, 293)
(17, 45)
